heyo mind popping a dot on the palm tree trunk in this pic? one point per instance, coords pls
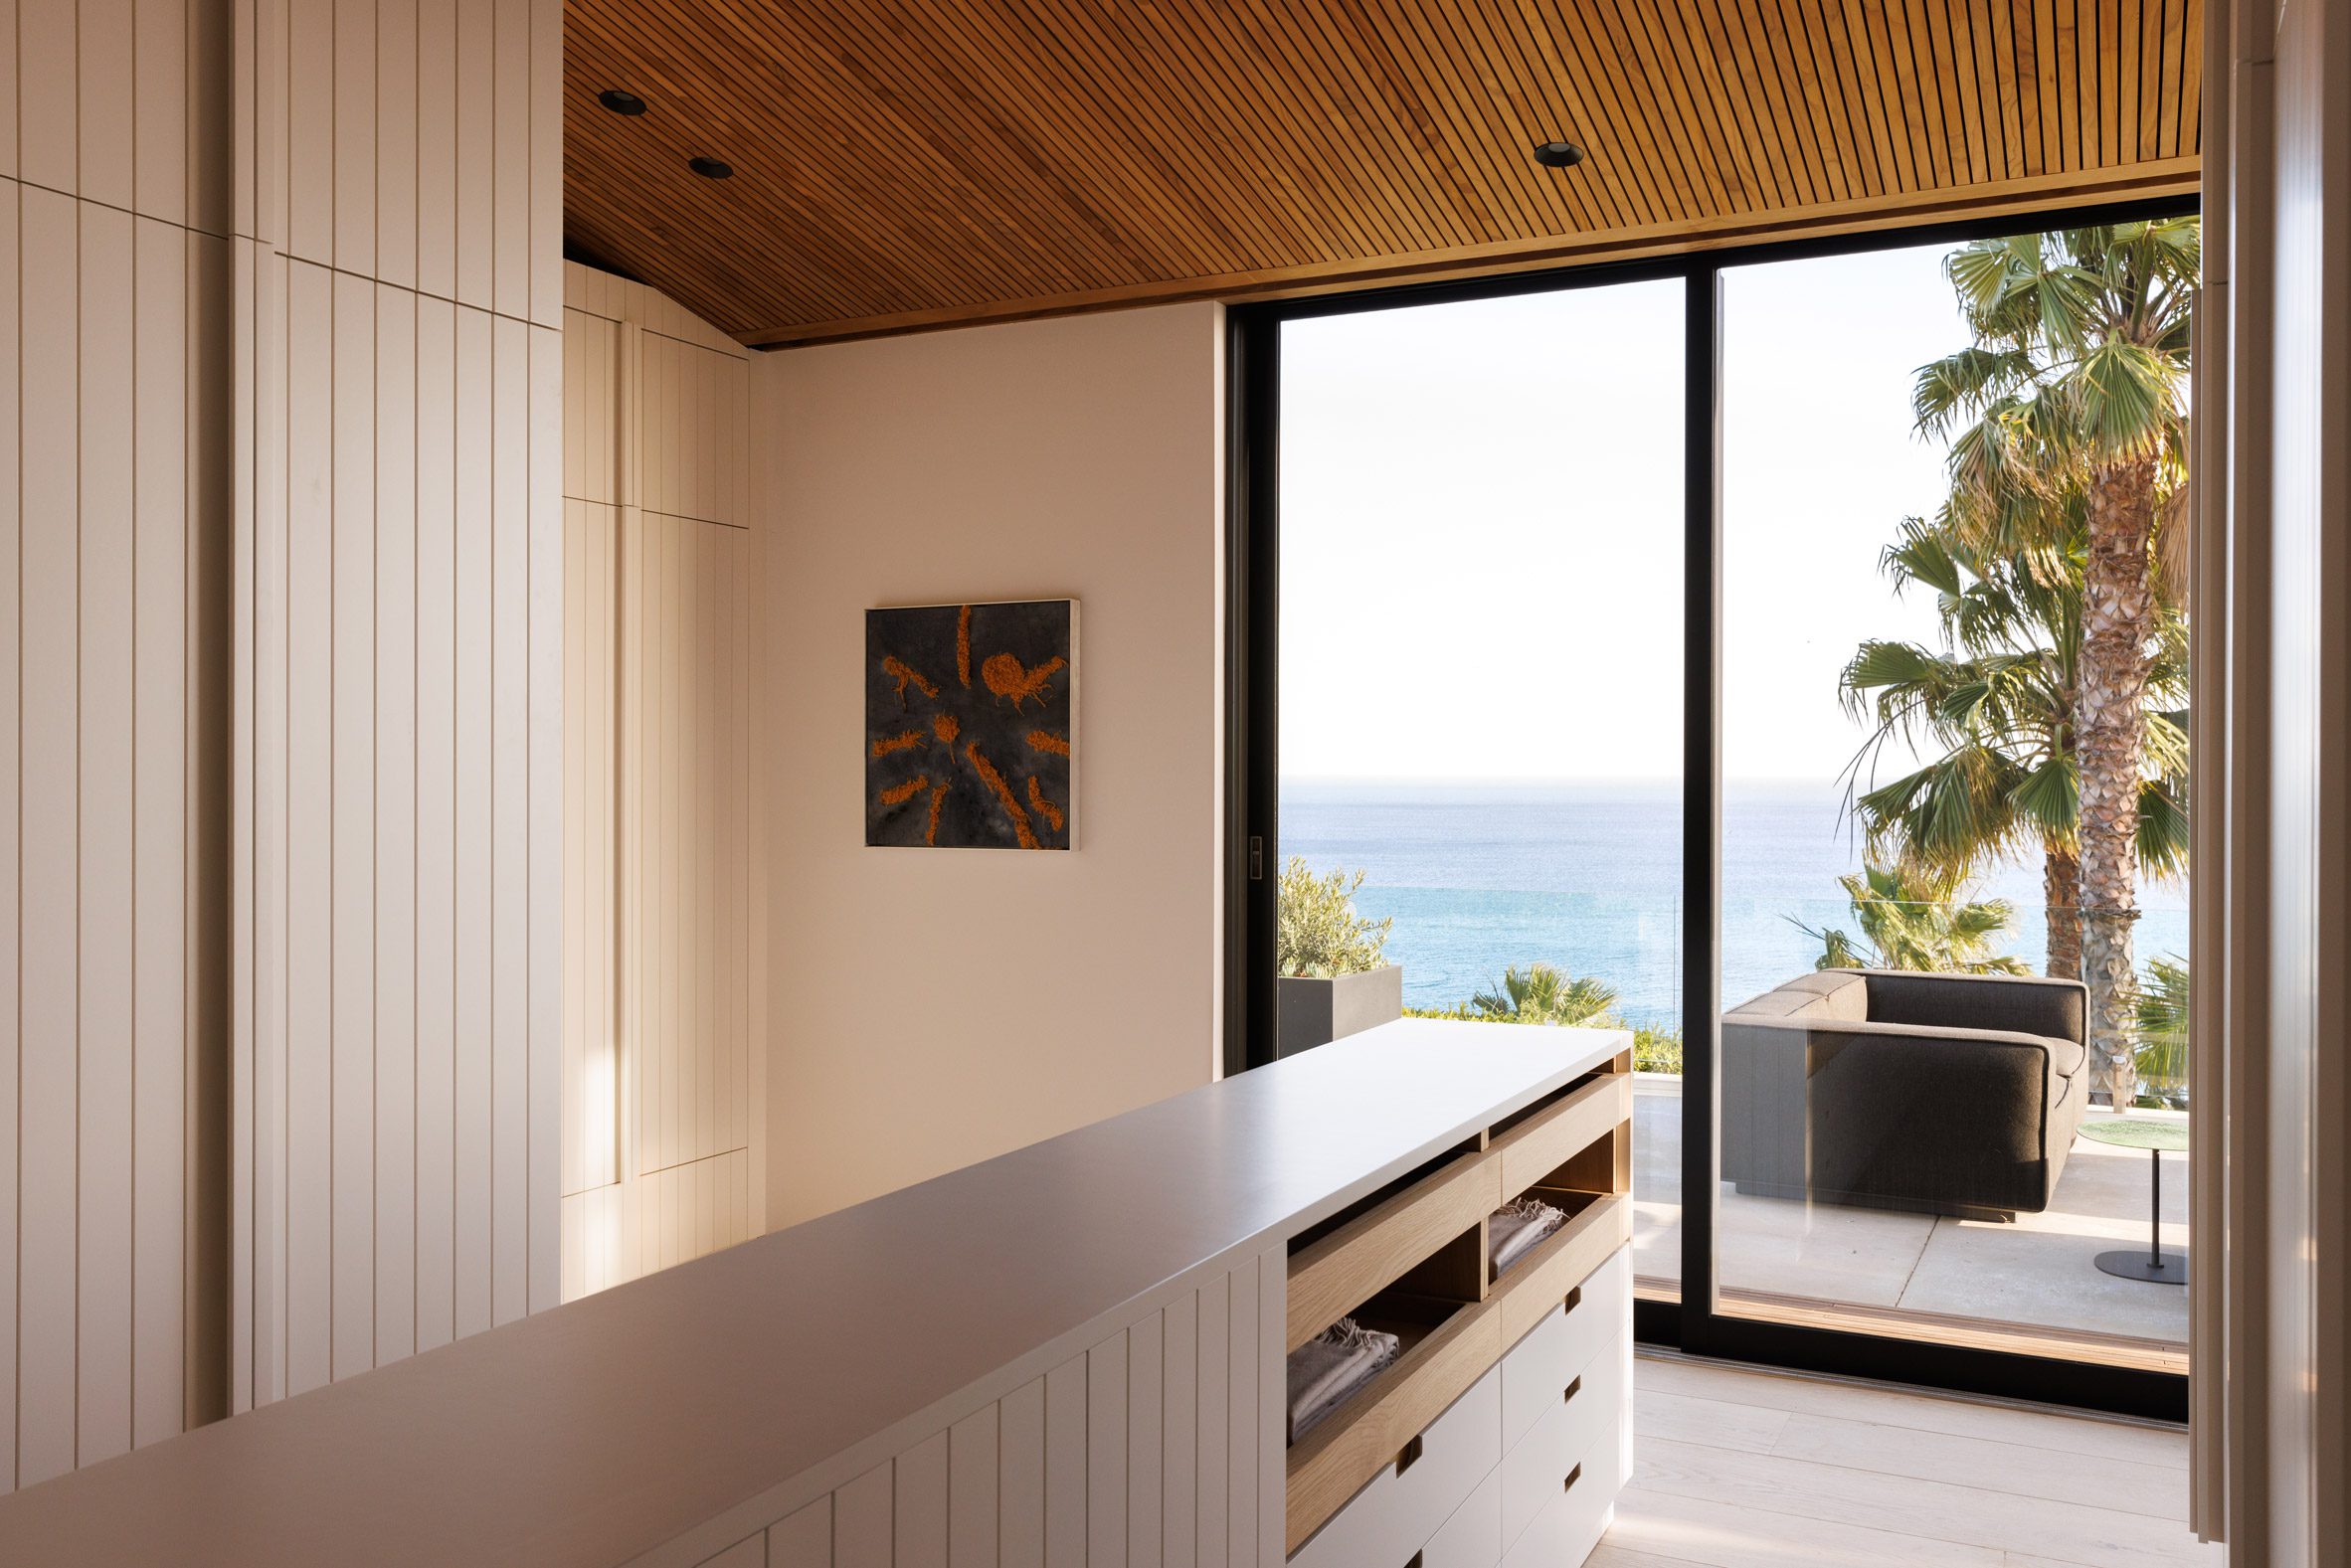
(2061, 891)
(2110, 734)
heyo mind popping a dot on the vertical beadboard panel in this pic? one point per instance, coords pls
(543, 677)
(102, 53)
(437, 147)
(1213, 1377)
(103, 1347)
(546, 163)
(1273, 1316)
(472, 869)
(1146, 1449)
(309, 148)
(354, 133)
(8, 74)
(11, 790)
(308, 827)
(1243, 1344)
(435, 821)
(1020, 1468)
(1106, 1453)
(350, 815)
(49, 883)
(160, 812)
(918, 1509)
(510, 130)
(161, 155)
(396, 143)
(47, 118)
(509, 599)
(475, 156)
(861, 1520)
(1179, 1429)
(1065, 1465)
(972, 1482)
(805, 1540)
(394, 714)
(749, 1552)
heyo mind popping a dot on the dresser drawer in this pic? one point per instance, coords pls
(1539, 1366)
(1537, 1467)
(1472, 1538)
(1409, 1501)
(1571, 1523)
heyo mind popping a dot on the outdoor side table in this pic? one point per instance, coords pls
(2156, 1137)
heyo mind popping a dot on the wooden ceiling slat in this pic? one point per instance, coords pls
(910, 163)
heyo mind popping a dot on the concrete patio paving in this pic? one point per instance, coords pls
(2034, 1273)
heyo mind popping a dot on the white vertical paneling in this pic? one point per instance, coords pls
(354, 135)
(918, 1508)
(395, 820)
(160, 152)
(1065, 1465)
(510, 133)
(47, 117)
(309, 149)
(477, 159)
(1243, 1344)
(160, 814)
(473, 811)
(511, 969)
(106, 82)
(49, 800)
(1106, 1453)
(437, 147)
(546, 163)
(1179, 1396)
(543, 676)
(1273, 1316)
(1214, 1378)
(309, 720)
(861, 1520)
(11, 792)
(972, 1482)
(435, 821)
(1020, 1467)
(396, 145)
(805, 1540)
(351, 817)
(1146, 1449)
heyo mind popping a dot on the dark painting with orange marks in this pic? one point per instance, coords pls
(971, 726)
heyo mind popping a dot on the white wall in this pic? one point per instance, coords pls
(933, 1008)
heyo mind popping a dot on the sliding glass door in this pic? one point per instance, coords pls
(1770, 653)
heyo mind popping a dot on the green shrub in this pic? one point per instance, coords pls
(1318, 933)
(1542, 994)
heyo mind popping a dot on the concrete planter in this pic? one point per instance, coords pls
(1312, 1013)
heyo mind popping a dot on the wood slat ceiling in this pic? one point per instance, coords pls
(912, 163)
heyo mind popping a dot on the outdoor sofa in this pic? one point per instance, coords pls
(1939, 1093)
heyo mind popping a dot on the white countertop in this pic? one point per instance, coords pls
(773, 1371)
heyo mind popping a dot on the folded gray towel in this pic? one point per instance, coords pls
(1516, 1227)
(1333, 1365)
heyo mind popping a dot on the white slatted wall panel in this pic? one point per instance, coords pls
(281, 712)
(115, 513)
(1098, 1462)
(660, 1150)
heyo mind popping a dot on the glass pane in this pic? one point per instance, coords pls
(1480, 668)
(1938, 795)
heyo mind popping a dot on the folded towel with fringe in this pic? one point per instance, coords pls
(1516, 1227)
(1333, 1365)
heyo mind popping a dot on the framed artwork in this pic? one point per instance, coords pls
(971, 726)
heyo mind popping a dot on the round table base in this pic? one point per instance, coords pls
(2136, 1265)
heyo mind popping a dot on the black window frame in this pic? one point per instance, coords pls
(1252, 782)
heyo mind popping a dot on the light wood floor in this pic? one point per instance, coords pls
(1734, 1467)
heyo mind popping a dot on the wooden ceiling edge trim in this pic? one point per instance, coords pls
(2038, 193)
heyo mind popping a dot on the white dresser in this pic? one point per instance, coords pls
(1072, 1354)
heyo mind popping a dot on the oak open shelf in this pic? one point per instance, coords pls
(1412, 1260)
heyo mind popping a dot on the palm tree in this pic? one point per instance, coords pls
(1540, 994)
(1911, 920)
(1991, 708)
(2076, 380)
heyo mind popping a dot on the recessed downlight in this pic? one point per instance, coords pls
(711, 168)
(620, 102)
(1557, 154)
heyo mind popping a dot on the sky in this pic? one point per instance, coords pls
(1482, 523)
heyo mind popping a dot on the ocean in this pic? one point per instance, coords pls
(1587, 877)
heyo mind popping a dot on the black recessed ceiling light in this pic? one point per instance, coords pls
(620, 102)
(711, 168)
(1557, 154)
